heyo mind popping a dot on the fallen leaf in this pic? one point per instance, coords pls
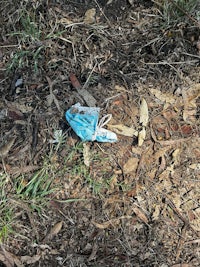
(167, 142)
(54, 231)
(195, 166)
(175, 156)
(182, 265)
(140, 214)
(75, 82)
(95, 249)
(120, 88)
(9, 259)
(141, 136)
(15, 114)
(132, 192)
(65, 21)
(130, 166)
(110, 222)
(144, 113)
(30, 259)
(23, 107)
(89, 99)
(186, 129)
(156, 213)
(163, 97)
(86, 154)
(190, 106)
(4, 149)
(90, 16)
(51, 97)
(169, 114)
(6, 259)
(123, 130)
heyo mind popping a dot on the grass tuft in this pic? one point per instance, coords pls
(176, 11)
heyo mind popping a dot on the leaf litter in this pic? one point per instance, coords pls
(139, 196)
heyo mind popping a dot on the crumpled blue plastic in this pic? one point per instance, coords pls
(84, 122)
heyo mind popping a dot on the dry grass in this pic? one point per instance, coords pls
(54, 208)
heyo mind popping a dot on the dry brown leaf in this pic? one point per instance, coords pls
(86, 154)
(95, 249)
(51, 97)
(131, 166)
(163, 97)
(89, 99)
(120, 88)
(110, 222)
(136, 150)
(30, 259)
(123, 130)
(190, 107)
(113, 182)
(23, 107)
(167, 142)
(175, 156)
(65, 21)
(90, 16)
(182, 265)
(141, 136)
(195, 166)
(103, 225)
(140, 214)
(54, 231)
(4, 149)
(6, 259)
(164, 182)
(144, 113)
(9, 259)
(156, 213)
(196, 221)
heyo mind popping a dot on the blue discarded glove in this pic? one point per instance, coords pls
(84, 122)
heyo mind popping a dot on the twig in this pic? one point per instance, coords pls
(181, 242)
(51, 97)
(175, 62)
(86, 83)
(183, 219)
(103, 13)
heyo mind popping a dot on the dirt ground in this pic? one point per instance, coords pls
(134, 202)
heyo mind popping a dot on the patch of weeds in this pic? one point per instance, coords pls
(6, 220)
(29, 32)
(176, 11)
(30, 45)
(36, 190)
(6, 212)
(74, 165)
(22, 58)
(97, 186)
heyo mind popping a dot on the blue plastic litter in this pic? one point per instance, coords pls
(85, 123)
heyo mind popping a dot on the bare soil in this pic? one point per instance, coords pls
(133, 205)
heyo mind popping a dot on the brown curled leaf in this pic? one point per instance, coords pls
(54, 231)
(75, 82)
(5, 148)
